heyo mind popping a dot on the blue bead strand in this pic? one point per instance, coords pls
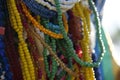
(39, 9)
(5, 73)
(96, 69)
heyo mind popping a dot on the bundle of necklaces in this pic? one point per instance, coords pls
(49, 40)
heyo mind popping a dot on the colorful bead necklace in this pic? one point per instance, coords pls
(53, 54)
(36, 24)
(53, 46)
(26, 60)
(87, 64)
(48, 40)
(38, 57)
(39, 9)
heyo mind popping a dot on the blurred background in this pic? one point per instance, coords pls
(111, 24)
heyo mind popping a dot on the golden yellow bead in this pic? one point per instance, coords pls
(20, 36)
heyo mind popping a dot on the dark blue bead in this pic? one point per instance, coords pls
(7, 66)
(9, 75)
(1, 38)
(2, 23)
(5, 60)
(2, 45)
(97, 70)
(39, 9)
(2, 52)
(2, 15)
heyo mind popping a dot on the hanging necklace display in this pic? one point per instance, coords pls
(53, 39)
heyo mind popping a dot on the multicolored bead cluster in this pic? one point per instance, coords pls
(49, 40)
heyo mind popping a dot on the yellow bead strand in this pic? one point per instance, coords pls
(25, 57)
(79, 11)
(21, 53)
(87, 12)
(76, 68)
(24, 65)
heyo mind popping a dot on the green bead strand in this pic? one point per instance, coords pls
(60, 48)
(98, 27)
(54, 63)
(65, 46)
(53, 46)
(69, 43)
(45, 58)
